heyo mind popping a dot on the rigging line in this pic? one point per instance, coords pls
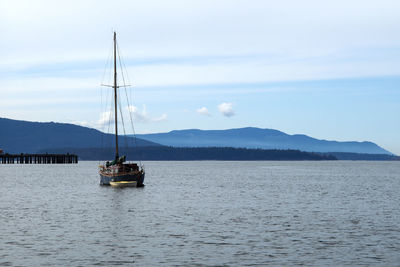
(127, 99)
(120, 66)
(107, 110)
(133, 128)
(123, 67)
(101, 126)
(108, 93)
(106, 67)
(109, 120)
(109, 105)
(128, 79)
(119, 98)
(101, 111)
(121, 61)
(123, 124)
(106, 71)
(130, 115)
(101, 94)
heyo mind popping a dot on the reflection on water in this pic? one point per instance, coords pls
(206, 213)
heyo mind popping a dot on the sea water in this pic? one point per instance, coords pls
(208, 213)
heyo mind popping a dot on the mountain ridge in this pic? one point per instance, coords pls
(252, 137)
(18, 136)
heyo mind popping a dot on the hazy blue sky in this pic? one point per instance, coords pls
(328, 69)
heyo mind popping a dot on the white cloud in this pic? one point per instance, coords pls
(226, 109)
(203, 111)
(163, 117)
(138, 116)
(82, 123)
(105, 118)
(142, 116)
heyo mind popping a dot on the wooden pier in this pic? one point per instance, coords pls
(38, 159)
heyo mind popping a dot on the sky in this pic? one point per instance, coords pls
(327, 69)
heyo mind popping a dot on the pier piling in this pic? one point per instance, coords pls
(38, 159)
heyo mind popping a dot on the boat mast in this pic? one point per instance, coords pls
(115, 95)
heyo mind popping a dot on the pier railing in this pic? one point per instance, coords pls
(38, 159)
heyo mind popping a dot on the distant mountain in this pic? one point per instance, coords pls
(30, 137)
(258, 138)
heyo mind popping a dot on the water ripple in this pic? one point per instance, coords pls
(203, 214)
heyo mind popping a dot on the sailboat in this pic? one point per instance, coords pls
(119, 172)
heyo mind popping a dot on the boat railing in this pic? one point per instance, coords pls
(119, 170)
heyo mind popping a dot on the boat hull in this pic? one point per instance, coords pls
(137, 177)
(124, 184)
